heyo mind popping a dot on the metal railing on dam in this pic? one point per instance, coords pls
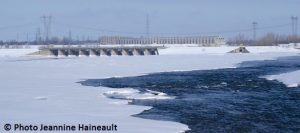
(98, 51)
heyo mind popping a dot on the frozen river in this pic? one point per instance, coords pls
(37, 90)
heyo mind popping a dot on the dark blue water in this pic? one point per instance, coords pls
(224, 100)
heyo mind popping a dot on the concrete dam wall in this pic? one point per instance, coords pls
(97, 51)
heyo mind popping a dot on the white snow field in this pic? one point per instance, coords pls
(192, 50)
(16, 52)
(290, 79)
(39, 90)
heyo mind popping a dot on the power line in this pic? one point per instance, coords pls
(157, 33)
(96, 29)
(274, 26)
(47, 22)
(140, 33)
(17, 26)
(147, 25)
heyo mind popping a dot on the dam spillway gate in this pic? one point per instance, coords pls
(97, 51)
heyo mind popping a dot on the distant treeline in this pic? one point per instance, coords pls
(268, 39)
(53, 40)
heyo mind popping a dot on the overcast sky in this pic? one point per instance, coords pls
(92, 18)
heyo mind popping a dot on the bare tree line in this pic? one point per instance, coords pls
(269, 39)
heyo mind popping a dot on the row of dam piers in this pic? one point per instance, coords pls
(97, 51)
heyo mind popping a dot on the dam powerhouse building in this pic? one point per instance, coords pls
(200, 40)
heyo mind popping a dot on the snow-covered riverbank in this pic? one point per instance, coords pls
(37, 90)
(175, 50)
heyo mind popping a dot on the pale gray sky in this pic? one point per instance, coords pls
(179, 17)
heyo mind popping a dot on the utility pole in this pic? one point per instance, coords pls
(47, 20)
(254, 31)
(147, 25)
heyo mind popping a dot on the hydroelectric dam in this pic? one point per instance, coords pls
(98, 51)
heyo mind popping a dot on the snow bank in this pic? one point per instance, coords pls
(290, 79)
(174, 49)
(271, 49)
(45, 91)
(223, 50)
(131, 94)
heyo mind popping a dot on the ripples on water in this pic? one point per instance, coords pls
(224, 100)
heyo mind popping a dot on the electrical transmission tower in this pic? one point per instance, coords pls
(47, 20)
(147, 25)
(27, 38)
(70, 37)
(254, 30)
(38, 37)
(294, 28)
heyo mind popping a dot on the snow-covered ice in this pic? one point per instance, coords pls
(130, 94)
(290, 79)
(37, 90)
